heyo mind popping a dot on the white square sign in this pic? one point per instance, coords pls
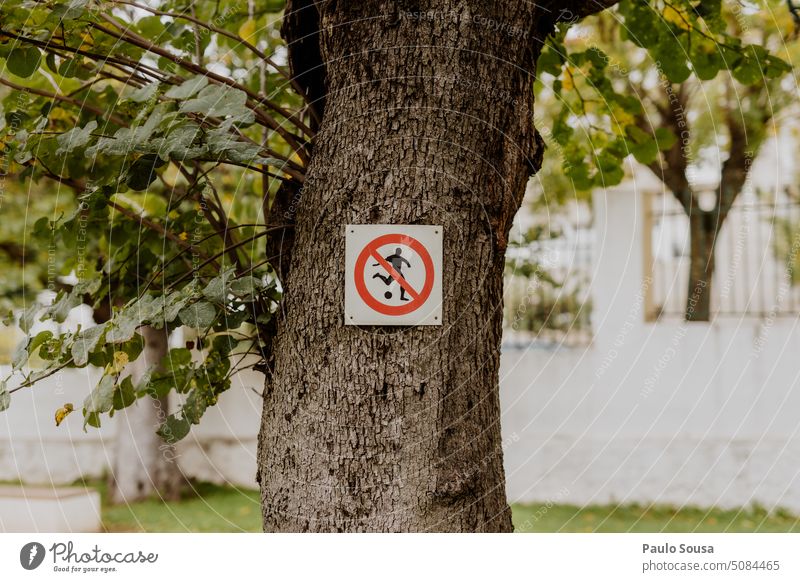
(393, 274)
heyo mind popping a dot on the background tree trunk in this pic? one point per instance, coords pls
(703, 233)
(428, 120)
(143, 464)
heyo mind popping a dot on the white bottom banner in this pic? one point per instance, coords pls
(353, 557)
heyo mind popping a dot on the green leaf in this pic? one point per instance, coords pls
(177, 358)
(642, 145)
(144, 94)
(179, 143)
(225, 144)
(188, 88)
(177, 300)
(75, 138)
(711, 12)
(220, 101)
(610, 168)
(64, 303)
(237, 317)
(91, 419)
(28, 318)
(174, 429)
(671, 59)
(550, 61)
(645, 153)
(39, 339)
(579, 174)
(665, 138)
(20, 355)
(199, 315)
(642, 23)
(123, 328)
(246, 288)
(133, 139)
(706, 61)
(157, 386)
(217, 288)
(150, 27)
(125, 394)
(133, 347)
(142, 172)
(747, 71)
(194, 407)
(223, 344)
(70, 10)
(70, 67)
(101, 398)
(637, 134)
(775, 67)
(85, 342)
(24, 61)
(148, 308)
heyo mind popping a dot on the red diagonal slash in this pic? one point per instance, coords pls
(395, 275)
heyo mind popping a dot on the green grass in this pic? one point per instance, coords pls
(658, 518)
(213, 508)
(204, 508)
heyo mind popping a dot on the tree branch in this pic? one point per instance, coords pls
(221, 31)
(65, 99)
(129, 37)
(671, 166)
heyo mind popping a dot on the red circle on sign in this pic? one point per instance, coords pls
(371, 250)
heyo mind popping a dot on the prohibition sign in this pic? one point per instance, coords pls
(371, 251)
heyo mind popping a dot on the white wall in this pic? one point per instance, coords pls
(702, 414)
(34, 450)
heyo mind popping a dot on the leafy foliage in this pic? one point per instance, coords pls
(163, 143)
(596, 123)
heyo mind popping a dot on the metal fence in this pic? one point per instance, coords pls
(547, 295)
(757, 258)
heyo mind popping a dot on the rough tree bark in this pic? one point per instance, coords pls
(703, 233)
(428, 120)
(143, 464)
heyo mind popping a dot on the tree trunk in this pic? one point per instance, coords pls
(428, 120)
(143, 464)
(703, 231)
